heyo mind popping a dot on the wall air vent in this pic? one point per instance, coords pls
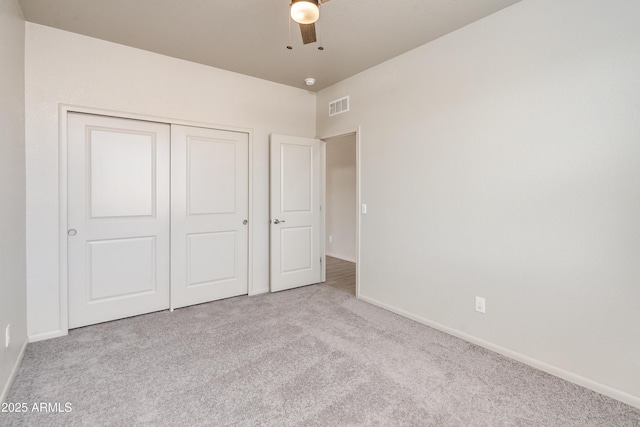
(339, 106)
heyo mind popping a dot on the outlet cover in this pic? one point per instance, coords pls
(480, 304)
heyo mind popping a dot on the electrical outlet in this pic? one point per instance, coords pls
(330, 239)
(7, 336)
(480, 304)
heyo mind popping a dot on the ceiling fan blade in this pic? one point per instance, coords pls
(308, 33)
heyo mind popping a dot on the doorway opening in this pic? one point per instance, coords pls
(341, 212)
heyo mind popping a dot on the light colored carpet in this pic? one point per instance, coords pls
(314, 356)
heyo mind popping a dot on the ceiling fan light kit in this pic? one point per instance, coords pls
(305, 11)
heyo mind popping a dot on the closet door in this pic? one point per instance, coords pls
(118, 218)
(209, 214)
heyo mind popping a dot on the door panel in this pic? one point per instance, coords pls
(211, 161)
(295, 212)
(296, 248)
(118, 216)
(121, 174)
(204, 268)
(121, 267)
(296, 177)
(209, 202)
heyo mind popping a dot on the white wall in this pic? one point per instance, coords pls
(67, 68)
(340, 210)
(13, 299)
(502, 160)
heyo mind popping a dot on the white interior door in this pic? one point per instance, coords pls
(118, 218)
(295, 212)
(209, 214)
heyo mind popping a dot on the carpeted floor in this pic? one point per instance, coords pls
(314, 356)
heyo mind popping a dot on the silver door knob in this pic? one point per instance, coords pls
(277, 221)
(245, 222)
(72, 232)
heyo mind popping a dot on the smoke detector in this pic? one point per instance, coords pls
(310, 81)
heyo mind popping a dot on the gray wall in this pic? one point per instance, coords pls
(13, 304)
(502, 161)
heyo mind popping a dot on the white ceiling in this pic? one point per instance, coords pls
(250, 36)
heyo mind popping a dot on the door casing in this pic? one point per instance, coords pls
(323, 151)
(356, 131)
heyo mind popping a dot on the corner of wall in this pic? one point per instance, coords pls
(13, 305)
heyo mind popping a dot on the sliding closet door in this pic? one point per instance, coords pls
(118, 218)
(209, 214)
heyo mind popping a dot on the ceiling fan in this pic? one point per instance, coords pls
(306, 13)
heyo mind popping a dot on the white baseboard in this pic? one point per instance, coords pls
(622, 396)
(258, 292)
(48, 335)
(343, 258)
(14, 371)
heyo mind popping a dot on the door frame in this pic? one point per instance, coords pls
(357, 132)
(63, 111)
